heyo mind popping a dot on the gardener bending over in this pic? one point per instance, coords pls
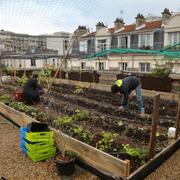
(126, 86)
(32, 90)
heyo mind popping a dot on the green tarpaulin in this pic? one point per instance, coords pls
(167, 52)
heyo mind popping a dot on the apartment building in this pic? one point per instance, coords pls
(13, 43)
(143, 34)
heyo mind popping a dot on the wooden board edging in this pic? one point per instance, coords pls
(98, 159)
(104, 87)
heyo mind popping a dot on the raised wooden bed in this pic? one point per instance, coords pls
(95, 158)
(88, 154)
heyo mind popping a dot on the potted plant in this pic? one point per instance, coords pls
(65, 164)
(65, 160)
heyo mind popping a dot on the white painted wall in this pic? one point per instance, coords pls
(172, 26)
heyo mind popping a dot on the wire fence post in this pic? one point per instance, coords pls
(177, 117)
(154, 126)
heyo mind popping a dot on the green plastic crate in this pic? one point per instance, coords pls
(39, 136)
(38, 145)
(41, 155)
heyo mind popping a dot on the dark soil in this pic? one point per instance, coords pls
(126, 127)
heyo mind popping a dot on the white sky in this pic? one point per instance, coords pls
(49, 16)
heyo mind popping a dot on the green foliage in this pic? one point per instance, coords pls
(22, 80)
(161, 71)
(80, 115)
(78, 90)
(4, 98)
(135, 152)
(106, 141)
(62, 121)
(45, 76)
(20, 106)
(86, 135)
(71, 154)
(77, 130)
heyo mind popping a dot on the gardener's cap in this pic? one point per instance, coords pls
(119, 82)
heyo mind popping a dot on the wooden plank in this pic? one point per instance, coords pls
(88, 154)
(93, 156)
(177, 118)
(19, 118)
(104, 87)
(154, 126)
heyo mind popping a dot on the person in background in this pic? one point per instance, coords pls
(32, 90)
(126, 86)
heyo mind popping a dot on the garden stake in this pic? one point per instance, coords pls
(178, 117)
(154, 126)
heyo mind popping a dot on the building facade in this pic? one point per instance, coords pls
(145, 33)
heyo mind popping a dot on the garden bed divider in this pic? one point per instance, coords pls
(107, 164)
(104, 87)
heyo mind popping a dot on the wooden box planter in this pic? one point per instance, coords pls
(105, 164)
(153, 83)
(62, 75)
(84, 76)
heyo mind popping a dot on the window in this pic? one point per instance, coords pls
(20, 63)
(45, 62)
(83, 65)
(83, 46)
(123, 42)
(123, 66)
(101, 66)
(33, 62)
(145, 67)
(57, 62)
(53, 62)
(146, 40)
(173, 38)
(102, 45)
(65, 45)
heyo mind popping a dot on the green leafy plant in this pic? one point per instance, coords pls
(161, 71)
(77, 130)
(20, 106)
(136, 152)
(106, 141)
(62, 121)
(21, 81)
(78, 90)
(80, 115)
(4, 98)
(45, 76)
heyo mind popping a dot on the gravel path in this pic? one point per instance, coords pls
(169, 170)
(15, 165)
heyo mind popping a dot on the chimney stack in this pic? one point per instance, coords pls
(81, 30)
(165, 16)
(140, 20)
(118, 24)
(99, 25)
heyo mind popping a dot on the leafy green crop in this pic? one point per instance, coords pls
(22, 80)
(63, 121)
(106, 141)
(136, 152)
(80, 115)
(20, 106)
(78, 90)
(4, 98)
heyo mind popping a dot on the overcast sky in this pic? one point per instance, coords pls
(48, 16)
